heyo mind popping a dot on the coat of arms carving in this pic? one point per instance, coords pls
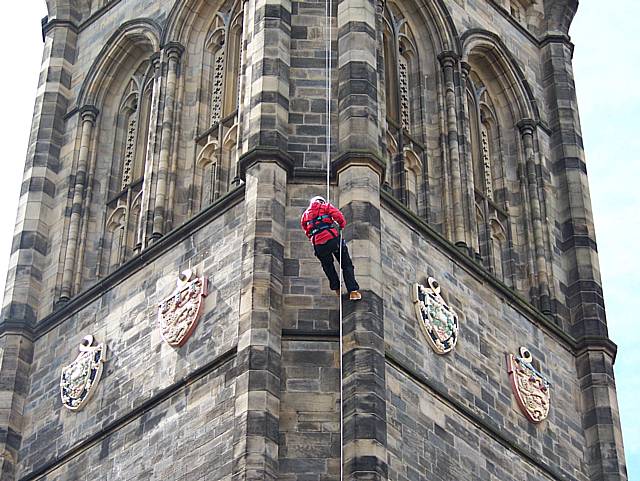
(530, 388)
(79, 379)
(178, 314)
(439, 322)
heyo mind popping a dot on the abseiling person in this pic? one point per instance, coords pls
(319, 223)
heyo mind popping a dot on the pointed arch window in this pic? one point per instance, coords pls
(488, 177)
(224, 46)
(218, 153)
(413, 169)
(130, 150)
(403, 97)
(400, 63)
(485, 138)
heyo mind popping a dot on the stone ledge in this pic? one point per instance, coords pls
(589, 343)
(355, 157)
(265, 154)
(132, 415)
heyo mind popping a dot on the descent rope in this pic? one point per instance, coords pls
(328, 9)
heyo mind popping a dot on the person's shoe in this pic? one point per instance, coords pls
(355, 296)
(337, 291)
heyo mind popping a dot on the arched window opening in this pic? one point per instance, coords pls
(488, 177)
(208, 166)
(413, 169)
(403, 109)
(130, 152)
(392, 151)
(401, 72)
(485, 148)
(216, 44)
(218, 154)
(499, 253)
(115, 238)
(224, 52)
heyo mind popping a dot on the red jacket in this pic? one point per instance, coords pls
(319, 209)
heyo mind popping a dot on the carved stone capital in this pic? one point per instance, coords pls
(465, 68)
(448, 58)
(155, 61)
(89, 113)
(174, 50)
(527, 126)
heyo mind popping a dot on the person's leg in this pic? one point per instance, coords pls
(347, 268)
(324, 252)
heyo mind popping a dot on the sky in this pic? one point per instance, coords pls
(607, 69)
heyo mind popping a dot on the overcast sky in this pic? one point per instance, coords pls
(607, 69)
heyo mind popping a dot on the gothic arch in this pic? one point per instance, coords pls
(481, 46)
(438, 26)
(414, 33)
(141, 37)
(185, 19)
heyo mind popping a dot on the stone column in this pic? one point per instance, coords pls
(265, 110)
(357, 77)
(527, 127)
(448, 61)
(16, 354)
(173, 51)
(31, 243)
(88, 116)
(146, 214)
(468, 180)
(364, 383)
(257, 393)
(578, 250)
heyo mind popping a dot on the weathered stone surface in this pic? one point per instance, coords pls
(191, 134)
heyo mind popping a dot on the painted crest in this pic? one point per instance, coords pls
(79, 379)
(178, 315)
(530, 388)
(438, 320)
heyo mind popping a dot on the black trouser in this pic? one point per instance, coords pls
(326, 252)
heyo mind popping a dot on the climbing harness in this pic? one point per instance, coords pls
(318, 225)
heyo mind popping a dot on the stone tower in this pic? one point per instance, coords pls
(186, 136)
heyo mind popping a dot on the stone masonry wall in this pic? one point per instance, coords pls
(255, 392)
(187, 437)
(309, 417)
(141, 366)
(472, 377)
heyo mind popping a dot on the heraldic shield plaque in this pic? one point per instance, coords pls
(178, 315)
(530, 388)
(438, 320)
(79, 379)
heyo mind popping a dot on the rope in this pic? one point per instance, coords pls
(328, 9)
(340, 347)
